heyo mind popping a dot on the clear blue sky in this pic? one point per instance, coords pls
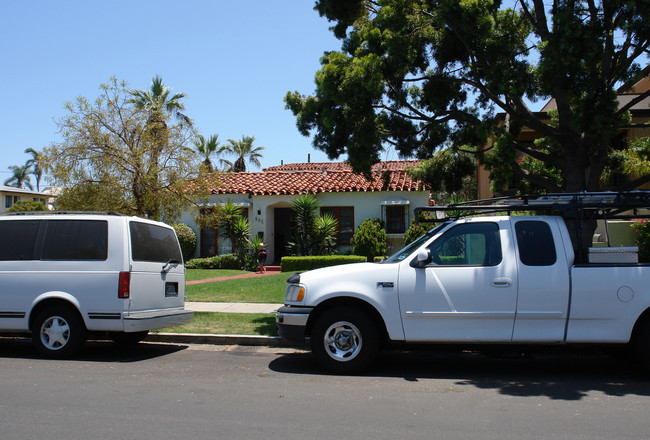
(235, 61)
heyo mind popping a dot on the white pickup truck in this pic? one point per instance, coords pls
(484, 280)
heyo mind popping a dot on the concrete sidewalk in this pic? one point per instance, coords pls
(226, 307)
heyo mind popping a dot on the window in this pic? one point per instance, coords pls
(18, 239)
(8, 201)
(535, 243)
(395, 216)
(470, 244)
(75, 240)
(153, 243)
(214, 241)
(345, 218)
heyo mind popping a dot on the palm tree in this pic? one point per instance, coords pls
(157, 101)
(35, 164)
(206, 147)
(20, 177)
(242, 149)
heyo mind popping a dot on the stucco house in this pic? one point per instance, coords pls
(265, 198)
(10, 195)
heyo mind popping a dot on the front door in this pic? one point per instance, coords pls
(469, 290)
(282, 232)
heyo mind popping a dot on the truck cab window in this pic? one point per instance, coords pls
(535, 243)
(469, 244)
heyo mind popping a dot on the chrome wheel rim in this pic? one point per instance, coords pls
(55, 333)
(342, 341)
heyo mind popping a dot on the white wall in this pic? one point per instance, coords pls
(366, 205)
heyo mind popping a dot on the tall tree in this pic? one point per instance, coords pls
(19, 177)
(108, 159)
(419, 76)
(159, 104)
(242, 149)
(35, 166)
(206, 148)
(423, 75)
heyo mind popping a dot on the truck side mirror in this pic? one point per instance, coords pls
(422, 259)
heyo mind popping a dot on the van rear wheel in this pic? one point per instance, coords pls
(124, 338)
(58, 332)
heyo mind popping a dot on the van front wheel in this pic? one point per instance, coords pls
(58, 332)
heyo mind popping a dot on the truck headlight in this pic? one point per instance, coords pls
(294, 293)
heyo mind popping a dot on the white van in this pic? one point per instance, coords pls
(63, 275)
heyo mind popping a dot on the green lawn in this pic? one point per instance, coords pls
(204, 274)
(228, 324)
(266, 289)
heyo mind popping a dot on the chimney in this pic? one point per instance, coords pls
(308, 158)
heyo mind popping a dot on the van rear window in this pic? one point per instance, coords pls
(18, 239)
(75, 240)
(153, 243)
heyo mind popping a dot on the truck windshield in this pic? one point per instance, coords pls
(414, 245)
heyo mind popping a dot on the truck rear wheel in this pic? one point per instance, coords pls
(58, 332)
(344, 340)
(641, 345)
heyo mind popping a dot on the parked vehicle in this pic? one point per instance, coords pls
(480, 280)
(64, 275)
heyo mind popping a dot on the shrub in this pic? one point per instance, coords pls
(27, 205)
(226, 261)
(642, 228)
(370, 239)
(187, 240)
(299, 264)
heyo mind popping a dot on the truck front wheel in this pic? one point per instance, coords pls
(344, 340)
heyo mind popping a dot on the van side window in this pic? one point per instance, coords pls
(535, 243)
(153, 243)
(470, 244)
(75, 240)
(17, 239)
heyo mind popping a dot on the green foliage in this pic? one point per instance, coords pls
(118, 156)
(422, 76)
(187, 239)
(241, 149)
(416, 230)
(370, 239)
(225, 261)
(312, 234)
(446, 171)
(642, 229)
(27, 205)
(299, 264)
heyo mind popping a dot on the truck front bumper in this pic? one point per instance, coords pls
(292, 323)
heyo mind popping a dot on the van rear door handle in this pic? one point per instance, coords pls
(502, 282)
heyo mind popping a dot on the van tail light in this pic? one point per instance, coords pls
(124, 285)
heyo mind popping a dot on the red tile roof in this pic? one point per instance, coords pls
(302, 178)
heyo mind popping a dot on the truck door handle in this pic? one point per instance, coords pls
(502, 282)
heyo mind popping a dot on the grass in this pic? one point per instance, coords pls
(204, 274)
(266, 289)
(228, 324)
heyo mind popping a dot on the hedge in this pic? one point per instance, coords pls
(300, 264)
(225, 261)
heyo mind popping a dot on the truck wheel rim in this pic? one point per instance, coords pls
(55, 333)
(343, 341)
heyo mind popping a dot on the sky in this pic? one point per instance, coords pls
(235, 61)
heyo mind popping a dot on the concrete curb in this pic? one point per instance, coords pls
(201, 338)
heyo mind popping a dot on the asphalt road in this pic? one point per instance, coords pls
(163, 391)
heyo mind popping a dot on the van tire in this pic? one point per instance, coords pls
(124, 338)
(344, 340)
(58, 332)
